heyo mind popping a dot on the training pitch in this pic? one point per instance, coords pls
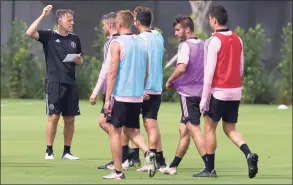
(268, 132)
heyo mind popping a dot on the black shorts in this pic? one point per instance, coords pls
(225, 110)
(61, 99)
(150, 108)
(190, 110)
(124, 114)
(102, 109)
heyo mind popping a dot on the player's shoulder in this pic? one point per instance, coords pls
(155, 32)
(73, 35)
(46, 30)
(141, 36)
(212, 39)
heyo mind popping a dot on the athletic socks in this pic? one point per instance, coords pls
(118, 172)
(150, 150)
(136, 153)
(160, 158)
(204, 158)
(210, 162)
(49, 149)
(153, 150)
(175, 163)
(245, 149)
(66, 149)
(124, 153)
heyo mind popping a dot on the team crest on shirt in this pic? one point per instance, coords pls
(73, 45)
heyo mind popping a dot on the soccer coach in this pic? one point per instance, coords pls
(60, 86)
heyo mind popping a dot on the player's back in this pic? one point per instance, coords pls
(155, 47)
(132, 66)
(227, 73)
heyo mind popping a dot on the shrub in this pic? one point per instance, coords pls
(285, 83)
(253, 44)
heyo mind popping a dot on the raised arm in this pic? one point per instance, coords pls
(32, 30)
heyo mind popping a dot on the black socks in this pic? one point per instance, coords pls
(245, 149)
(176, 161)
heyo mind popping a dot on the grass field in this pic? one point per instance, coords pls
(267, 130)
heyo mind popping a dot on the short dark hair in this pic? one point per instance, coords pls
(185, 21)
(220, 14)
(61, 12)
(143, 15)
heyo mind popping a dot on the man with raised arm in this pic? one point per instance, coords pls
(61, 89)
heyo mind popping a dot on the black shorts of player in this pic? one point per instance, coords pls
(102, 109)
(225, 110)
(124, 114)
(150, 107)
(61, 99)
(190, 110)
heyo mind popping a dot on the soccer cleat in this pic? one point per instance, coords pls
(205, 173)
(161, 167)
(115, 176)
(170, 171)
(125, 165)
(145, 169)
(49, 156)
(104, 167)
(142, 169)
(150, 161)
(252, 161)
(134, 162)
(111, 167)
(69, 156)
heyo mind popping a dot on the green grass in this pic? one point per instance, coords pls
(267, 130)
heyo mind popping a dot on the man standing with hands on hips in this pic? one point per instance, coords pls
(61, 89)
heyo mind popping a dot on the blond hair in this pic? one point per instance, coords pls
(125, 17)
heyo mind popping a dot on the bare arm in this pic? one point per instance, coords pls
(183, 59)
(179, 71)
(32, 30)
(112, 74)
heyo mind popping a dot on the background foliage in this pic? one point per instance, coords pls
(23, 73)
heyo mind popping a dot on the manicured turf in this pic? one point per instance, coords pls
(267, 130)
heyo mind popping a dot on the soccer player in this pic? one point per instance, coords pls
(109, 27)
(150, 108)
(187, 79)
(222, 90)
(61, 89)
(125, 84)
(110, 31)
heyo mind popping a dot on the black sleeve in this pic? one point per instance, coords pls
(79, 49)
(44, 35)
